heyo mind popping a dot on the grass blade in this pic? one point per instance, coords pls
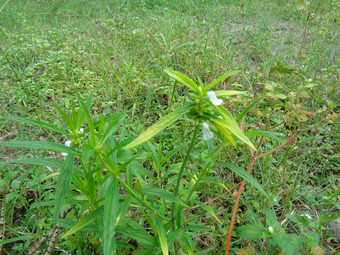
(161, 236)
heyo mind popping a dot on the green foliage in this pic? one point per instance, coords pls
(174, 192)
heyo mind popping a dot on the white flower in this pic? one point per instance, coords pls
(270, 229)
(306, 215)
(213, 98)
(81, 130)
(207, 134)
(68, 144)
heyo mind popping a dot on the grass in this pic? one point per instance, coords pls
(120, 49)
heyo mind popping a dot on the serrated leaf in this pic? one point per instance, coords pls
(163, 194)
(245, 175)
(63, 184)
(37, 123)
(185, 80)
(219, 80)
(159, 126)
(41, 146)
(289, 243)
(251, 232)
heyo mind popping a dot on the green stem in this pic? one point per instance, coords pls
(202, 174)
(180, 175)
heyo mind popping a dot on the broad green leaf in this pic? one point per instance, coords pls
(219, 80)
(85, 221)
(230, 123)
(301, 4)
(161, 236)
(41, 146)
(245, 175)
(63, 184)
(159, 126)
(289, 243)
(208, 209)
(163, 194)
(227, 93)
(111, 211)
(251, 232)
(269, 134)
(37, 123)
(245, 111)
(185, 80)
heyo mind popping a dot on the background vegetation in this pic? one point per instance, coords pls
(119, 49)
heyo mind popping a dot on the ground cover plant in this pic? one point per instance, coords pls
(169, 127)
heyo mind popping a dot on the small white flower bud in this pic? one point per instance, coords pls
(213, 98)
(68, 144)
(207, 134)
(270, 229)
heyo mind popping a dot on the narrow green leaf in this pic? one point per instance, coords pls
(219, 80)
(15, 239)
(159, 126)
(225, 132)
(85, 221)
(87, 115)
(67, 119)
(208, 209)
(269, 134)
(197, 228)
(113, 126)
(41, 146)
(163, 194)
(230, 123)
(111, 211)
(143, 237)
(37, 123)
(64, 181)
(245, 111)
(185, 80)
(227, 93)
(245, 175)
(161, 236)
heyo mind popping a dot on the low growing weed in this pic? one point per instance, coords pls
(111, 196)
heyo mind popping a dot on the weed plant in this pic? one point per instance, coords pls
(80, 80)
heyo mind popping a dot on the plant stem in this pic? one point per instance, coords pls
(180, 175)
